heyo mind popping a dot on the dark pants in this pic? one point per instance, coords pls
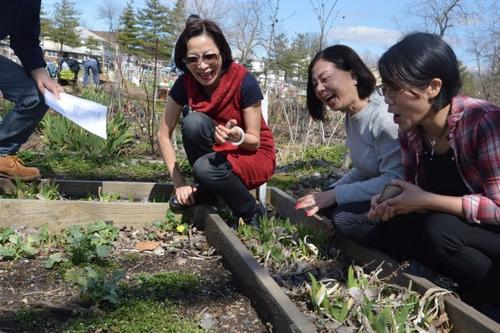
(467, 253)
(350, 220)
(90, 65)
(29, 106)
(211, 170)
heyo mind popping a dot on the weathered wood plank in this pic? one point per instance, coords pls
(271, 303)
(465, 319)
(59, 214)
(137, 191)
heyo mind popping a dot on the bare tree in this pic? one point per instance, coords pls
(215, 10)
(323, 9)
(438, 16)
(109, 11)
(249, 28)
(485, 49)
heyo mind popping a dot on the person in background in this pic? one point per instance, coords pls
(448, 213)
(227, 142)
(339, 79)
(91, 64)
(24, 86)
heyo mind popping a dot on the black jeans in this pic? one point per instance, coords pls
(468, 253)
(211, 170)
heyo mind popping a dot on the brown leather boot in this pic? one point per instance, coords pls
(12, 167)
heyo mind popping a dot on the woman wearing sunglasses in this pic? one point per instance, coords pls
(227, 142)
(448, 213)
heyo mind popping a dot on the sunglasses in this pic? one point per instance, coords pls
(208, 59)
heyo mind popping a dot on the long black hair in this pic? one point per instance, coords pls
(346, 59)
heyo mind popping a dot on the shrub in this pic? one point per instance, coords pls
(63, 135)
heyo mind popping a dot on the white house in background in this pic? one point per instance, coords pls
(104, 50)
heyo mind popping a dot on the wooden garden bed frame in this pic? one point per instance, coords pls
(465, 319)
(272, 305)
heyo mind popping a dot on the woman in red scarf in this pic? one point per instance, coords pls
(226, 139)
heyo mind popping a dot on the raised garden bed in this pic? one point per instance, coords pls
(172, 280)
(270, 302)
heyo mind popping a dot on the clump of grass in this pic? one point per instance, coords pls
(41, 191)
(75, 166)
(282, 246)
(137, 316)
(368, 303)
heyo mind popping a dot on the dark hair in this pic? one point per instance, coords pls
(199, 27)
(346, 59)
(191, 18)
(416, 60)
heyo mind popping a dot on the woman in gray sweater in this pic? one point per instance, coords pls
(339, 79)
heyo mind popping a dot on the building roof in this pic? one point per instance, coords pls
(105, 35)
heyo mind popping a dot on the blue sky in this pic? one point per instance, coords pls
(367, 26)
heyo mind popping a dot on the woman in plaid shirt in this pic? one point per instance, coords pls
(447, 215)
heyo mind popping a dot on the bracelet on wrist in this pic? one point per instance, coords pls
(240, 141)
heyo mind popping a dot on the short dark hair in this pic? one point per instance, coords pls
(346, 59)
(416, 60)
(196, 28)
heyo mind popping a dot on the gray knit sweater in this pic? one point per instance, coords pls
(372, 140)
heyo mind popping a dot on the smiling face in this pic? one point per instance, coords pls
(207, 73)
(334, 87)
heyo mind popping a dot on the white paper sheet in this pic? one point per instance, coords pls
(87, 114)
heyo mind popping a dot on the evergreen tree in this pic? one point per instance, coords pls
(46, 24)
(128, 31)
(66, 19)
(153, 20)
(176, 21)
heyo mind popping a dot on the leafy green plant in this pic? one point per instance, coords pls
(95, 287)
(42, 191)
(280, 245)
(97, 95)
(12, 245)
(63, 135)
(172, 222)
(95, 243)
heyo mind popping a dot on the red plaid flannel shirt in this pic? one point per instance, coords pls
(474, 135)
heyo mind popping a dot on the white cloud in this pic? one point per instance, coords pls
(363, 34)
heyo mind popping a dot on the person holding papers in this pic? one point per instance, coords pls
(24, 86)
(226, 139)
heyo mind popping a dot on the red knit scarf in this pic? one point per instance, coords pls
(222, 97)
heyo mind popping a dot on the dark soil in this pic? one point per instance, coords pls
(25, 284)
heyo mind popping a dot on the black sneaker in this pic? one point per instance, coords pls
(254, 219)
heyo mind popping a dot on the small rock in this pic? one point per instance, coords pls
(207, 321)
(159, 251)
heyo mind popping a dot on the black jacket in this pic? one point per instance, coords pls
(20, 19)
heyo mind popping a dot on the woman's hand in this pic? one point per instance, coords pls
(185, 195)
(314, 202)
(411, 199)
(229, 132)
